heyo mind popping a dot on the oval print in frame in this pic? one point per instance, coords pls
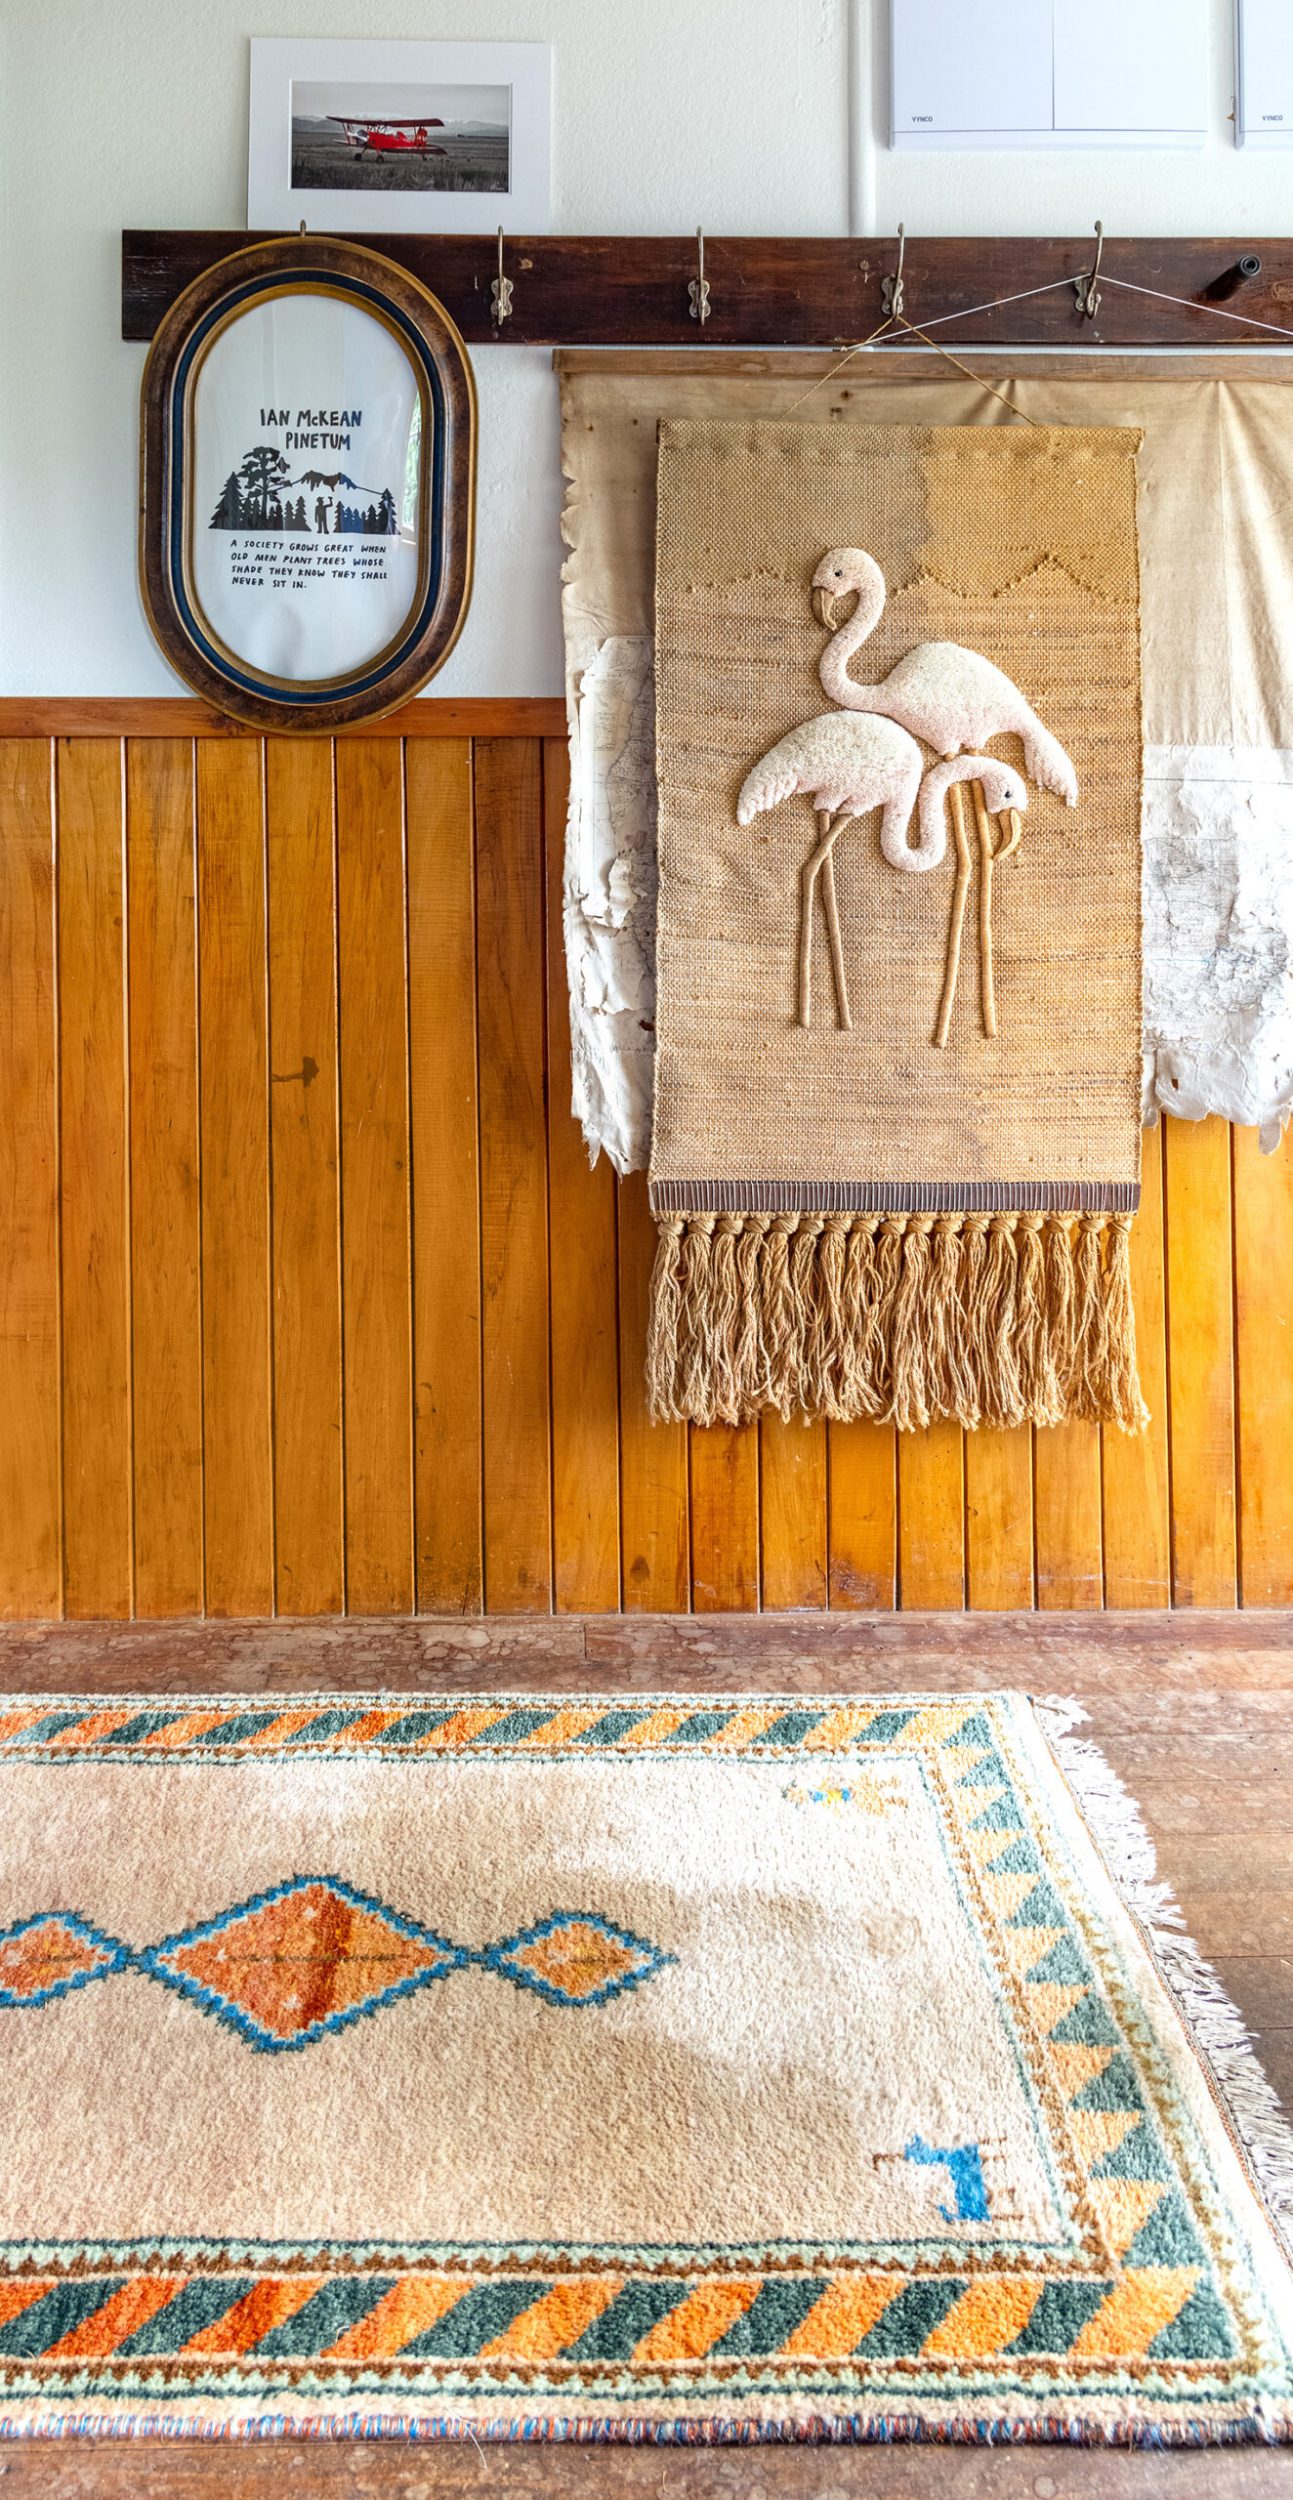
(306, 521)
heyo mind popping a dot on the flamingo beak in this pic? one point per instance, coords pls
(824, 609)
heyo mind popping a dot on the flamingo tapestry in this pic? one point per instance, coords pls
(896, 1146)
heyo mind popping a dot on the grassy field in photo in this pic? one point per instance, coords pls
(324, 159)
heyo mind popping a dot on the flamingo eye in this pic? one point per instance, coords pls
(839, 572)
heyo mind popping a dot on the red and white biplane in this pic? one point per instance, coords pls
(388, 138)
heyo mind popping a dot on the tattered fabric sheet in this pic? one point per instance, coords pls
(1216, 534)
(896, 1150)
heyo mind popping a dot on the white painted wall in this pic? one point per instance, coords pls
(734, 113)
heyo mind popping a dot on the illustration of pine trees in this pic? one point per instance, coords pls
(388, 523)
(228, 512)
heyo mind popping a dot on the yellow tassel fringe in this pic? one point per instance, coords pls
(905, 1319)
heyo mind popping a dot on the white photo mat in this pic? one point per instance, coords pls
(389, 82)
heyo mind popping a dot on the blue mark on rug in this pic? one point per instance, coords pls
(965, 2170)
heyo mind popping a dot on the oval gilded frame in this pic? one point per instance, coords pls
(313, 264)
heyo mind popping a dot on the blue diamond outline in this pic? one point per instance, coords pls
(236, 2018)
(498, 1958)
(118, 1956)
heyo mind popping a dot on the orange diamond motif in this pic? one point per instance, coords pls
(307, 1958)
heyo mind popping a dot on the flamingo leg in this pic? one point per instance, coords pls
(956, 922)
(1009, 842)
(818, 860)
(830, 903)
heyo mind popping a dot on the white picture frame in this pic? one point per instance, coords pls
(322, 109)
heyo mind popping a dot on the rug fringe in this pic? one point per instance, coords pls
(1214, 2022)
(903, 1319)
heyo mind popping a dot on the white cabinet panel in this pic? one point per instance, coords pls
(1052, 73)
(973, 65)
(1265, 114)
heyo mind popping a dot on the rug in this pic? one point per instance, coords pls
(614, 2067)
(890, 1180)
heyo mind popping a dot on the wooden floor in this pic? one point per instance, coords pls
(1195, 1711)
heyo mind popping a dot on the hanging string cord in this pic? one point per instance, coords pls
(892, 321)
(899, 321)
(1210, 312)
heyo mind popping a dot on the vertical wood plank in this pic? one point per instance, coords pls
(1200, 1362)
(931, 1518)
(1137, 1521)
(583, 1265)
(655, 1530)
(446, 1176)
(863, 1489)
(724, 1517)
(30, 1492)
(513, 1175)
(237, 1440)
(376, 1277)
(165, 1231)
(309, 1572)
(1067, 1520)
(1263, 1190)
(998, 1520)
(95, 1184)
(793, 1512)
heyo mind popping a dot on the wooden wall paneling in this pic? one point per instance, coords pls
(998, 1520)
(726, 1539)
(1263, 1201)
(517, 1448)
(655, 1528)
(165, 1215)
(583, 1283)
(238, 1481)
(309, 1557)
(862, 1488)
(1067, 1520)
(931, 1518)
(30, 1474)
(793, 1506)
(376, 1291)
(1200, 1363)
(95, 1179)
(446, 1177)
(1137, 1492)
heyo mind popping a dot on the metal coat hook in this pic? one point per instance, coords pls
(698, 287)
(891, 288)
(500, 293)
(1087, 287)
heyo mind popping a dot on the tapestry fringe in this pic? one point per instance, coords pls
(905, 1319)
(1213, 2021)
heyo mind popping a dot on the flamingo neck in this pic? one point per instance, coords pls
(931, 820)
(833, 668)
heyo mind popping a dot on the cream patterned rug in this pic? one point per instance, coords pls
(615, 2067)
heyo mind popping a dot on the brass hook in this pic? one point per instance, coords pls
(1087, 287)
(500, 293)
(891, 288)
(698, 287)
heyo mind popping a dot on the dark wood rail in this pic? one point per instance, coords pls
(788, 291)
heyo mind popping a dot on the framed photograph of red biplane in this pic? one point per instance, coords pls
(400, 138)
(308, 480)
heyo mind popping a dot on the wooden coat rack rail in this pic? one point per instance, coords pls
(575, 290)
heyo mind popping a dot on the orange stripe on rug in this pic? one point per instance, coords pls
(550, 2324)
(95, 1725)
(265, 2306)
(744, 1728)
(837, 1727)
(15, 2297)
(286, 1724)
(698, 2323)
(986, 2318)
(127, 2310)
(1135, 2311)
(459, 1730)
(847, 2310)
(183, 1731)
(561, 1728)
(654, 1730)
(408, 2309)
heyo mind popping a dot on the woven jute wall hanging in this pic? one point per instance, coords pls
(897, 1135)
